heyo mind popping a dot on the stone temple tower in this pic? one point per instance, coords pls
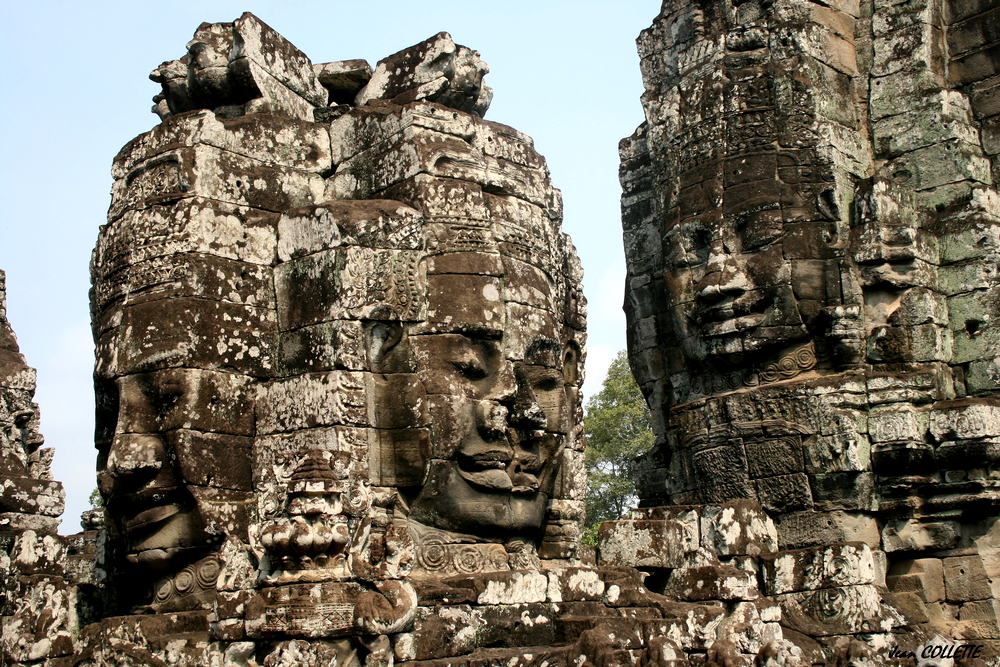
(812, 232)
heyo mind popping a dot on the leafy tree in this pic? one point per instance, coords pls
(618, 429)
(95, 499)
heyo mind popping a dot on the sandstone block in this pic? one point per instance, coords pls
(914, 535)
(534, 624)
(923, 576)
(314, 399)
(265, 138)
(502, 588)
(27, 495)
(303, 610)
(186, 398)
(946, 117)
(205, 171)
(818, 567)
(845, 610)
(784, 493)
(370, 126)
(32, 553)
(902, 90)
(399, 457)
(919, 45)
(708, 582)
(841, 452)
(437, 69)
(194, 225)
(747, 631)
(190, 332)
(897, 423)
(649, 543)
(803, 529)
(343, 79)
(691, 626)
(444, 156)
(950, 161)
(212, 459)
(980, 617)
(346, 283)
(966, 578)
(327, 346)
(574, 584)
(441, 632)
(43, 620)
(372, 223)
(738, 528)
(843, 491)
(259, 43)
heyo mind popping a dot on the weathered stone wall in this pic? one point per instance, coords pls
(810, 218)
(37, 603)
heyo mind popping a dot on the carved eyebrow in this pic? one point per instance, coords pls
(544, 344)
(471, 330)
(544, 351)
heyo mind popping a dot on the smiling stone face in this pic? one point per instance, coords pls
(811, 295)
(500, 422)
(730, 286)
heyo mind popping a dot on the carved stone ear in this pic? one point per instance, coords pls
(571, 365)
(388, 347)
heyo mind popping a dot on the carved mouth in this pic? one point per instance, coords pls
(496, 468)
(719, 313)
(493, 480)
(151, 517)
(727, 320)
(148, 507)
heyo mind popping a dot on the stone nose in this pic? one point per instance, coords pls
(722, 278)
(491, 420)
(135, 460)
(504, 388)
(526, 413)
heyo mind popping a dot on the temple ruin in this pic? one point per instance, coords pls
(340, 338)
(810, 217)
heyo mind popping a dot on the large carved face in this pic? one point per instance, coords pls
(728, 288)
(174, 449)
(493, 373)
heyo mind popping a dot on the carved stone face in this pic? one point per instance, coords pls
(728, 288)
(499, 415)
(176, 472)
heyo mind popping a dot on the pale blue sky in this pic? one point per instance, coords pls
(75, 89)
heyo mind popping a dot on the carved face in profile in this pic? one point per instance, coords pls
(174, 461)
(728, 287)
(495, 376)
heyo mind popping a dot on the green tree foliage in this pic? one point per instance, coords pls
(95, 499)
(618, 429)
